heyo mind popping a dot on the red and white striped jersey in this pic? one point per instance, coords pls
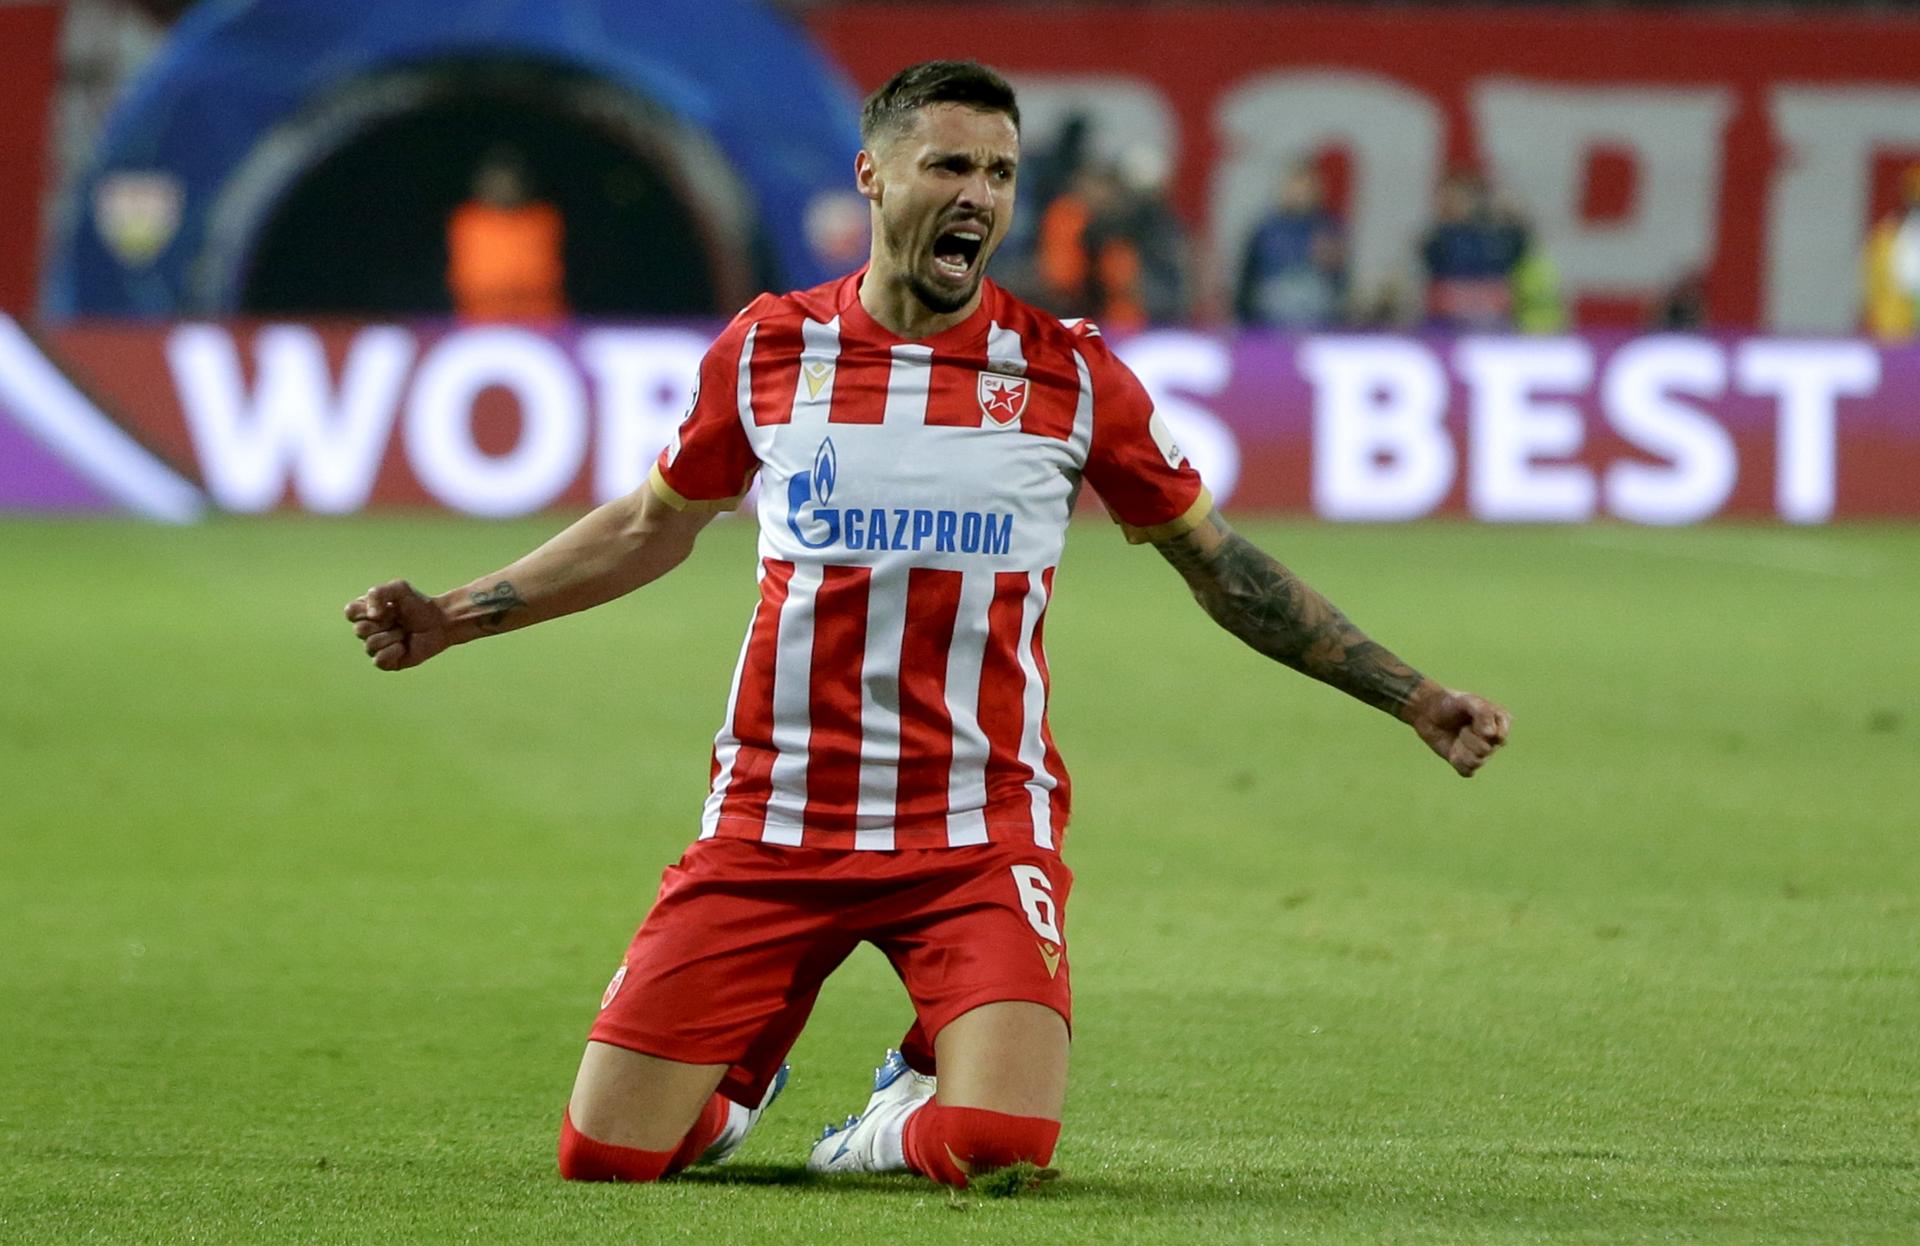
(914, 497)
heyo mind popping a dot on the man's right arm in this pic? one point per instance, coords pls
(608, 553)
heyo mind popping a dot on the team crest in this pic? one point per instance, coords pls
(613, 987)
(1002, 398)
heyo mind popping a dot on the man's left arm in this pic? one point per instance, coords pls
(1249, 593)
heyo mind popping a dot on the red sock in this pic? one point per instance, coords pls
(586, 1159)
(713, 1118)
(583, 1159)
(951, 1144)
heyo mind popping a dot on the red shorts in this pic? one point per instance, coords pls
(726, 967)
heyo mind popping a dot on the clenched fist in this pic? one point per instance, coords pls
(1463, 728)
(400, 626)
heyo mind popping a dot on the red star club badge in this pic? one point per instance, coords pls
(1002, 398)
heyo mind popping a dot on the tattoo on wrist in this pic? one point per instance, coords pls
(498, 601)
(1252, 595)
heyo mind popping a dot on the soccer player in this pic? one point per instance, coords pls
(884, 772)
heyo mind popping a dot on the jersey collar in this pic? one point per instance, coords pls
(854, 312)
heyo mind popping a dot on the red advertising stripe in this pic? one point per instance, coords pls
(926, 725)
(1003, 690)
(750, 785)
(775, 369)
(838, 672)
(30, 33)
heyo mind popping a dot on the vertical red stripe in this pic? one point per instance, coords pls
(1061, 798)
(926, 724)
(1055, 388)
(839, 667)
(1003, 690)
(953, 391)
(775, 369)
(860, 383)
(750, 785)
(1052, 379)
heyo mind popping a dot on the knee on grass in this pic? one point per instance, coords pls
(588, 1159)
(952, 1145)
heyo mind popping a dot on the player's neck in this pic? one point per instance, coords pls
(899, 310)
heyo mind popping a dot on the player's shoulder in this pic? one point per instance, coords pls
(1044, 334)
(1046, 330)
(821, 303)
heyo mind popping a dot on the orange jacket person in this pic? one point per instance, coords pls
(503, 249)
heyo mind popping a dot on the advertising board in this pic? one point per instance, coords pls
(500, 420)
(1751, 148)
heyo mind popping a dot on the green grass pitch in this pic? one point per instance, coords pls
(291, 950)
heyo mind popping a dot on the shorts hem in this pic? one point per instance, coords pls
(949, 1011)
(744, 1085)
(645, 1045)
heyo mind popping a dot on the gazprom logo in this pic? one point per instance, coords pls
(815, 489)
(818, 525)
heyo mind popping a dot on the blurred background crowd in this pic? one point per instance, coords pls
(508, 169)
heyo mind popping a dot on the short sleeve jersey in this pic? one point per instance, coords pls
(914, 497)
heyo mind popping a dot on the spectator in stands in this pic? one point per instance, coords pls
(1046, 172)
(1145, 224)
(504, 247)
(1683, 308)
(1062, 258)
(1538, 306)
(1893, 266)
(1110, 248)
(1293, 273)
(1470, 255)
(1387, 306)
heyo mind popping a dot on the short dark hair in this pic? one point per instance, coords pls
(968, 83)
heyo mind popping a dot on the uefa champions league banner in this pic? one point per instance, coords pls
(173, 421)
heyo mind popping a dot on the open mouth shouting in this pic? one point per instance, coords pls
(958, 249)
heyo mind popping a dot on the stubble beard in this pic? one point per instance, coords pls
(933, 298)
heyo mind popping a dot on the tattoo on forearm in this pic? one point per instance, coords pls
(498, 601)
(1251, 595)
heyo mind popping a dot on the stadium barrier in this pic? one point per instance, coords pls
(501, 420)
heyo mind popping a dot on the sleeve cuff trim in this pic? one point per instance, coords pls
(680, 502)
(1190, 519)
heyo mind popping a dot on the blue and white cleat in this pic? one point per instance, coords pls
(741, 1120)
(871, 1142)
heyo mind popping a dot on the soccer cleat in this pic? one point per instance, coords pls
(741, 1120)
(870, 1142)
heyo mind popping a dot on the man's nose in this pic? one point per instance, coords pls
(977, 191)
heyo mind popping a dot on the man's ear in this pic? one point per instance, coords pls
(866, 175)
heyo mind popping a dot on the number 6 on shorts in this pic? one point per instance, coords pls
(1036, 897)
